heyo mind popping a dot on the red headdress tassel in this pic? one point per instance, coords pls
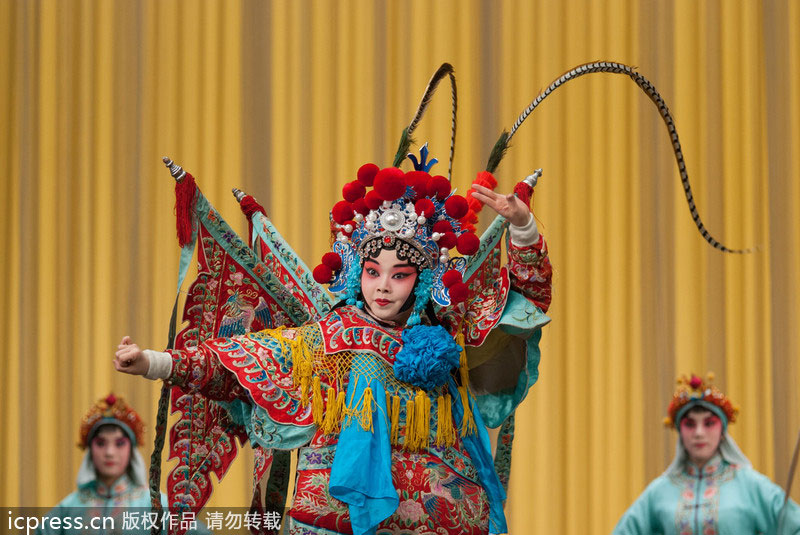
(184, 206)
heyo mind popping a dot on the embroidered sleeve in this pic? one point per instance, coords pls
(531, 273)
(199, 370)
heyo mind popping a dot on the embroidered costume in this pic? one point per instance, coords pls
(417, 467)
(390, 419)
(726, 496)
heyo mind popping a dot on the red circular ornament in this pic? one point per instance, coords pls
(468, 243)
(332, 260)
(439, 186)
(366, 173)
(456, 206)
(353, 190)
(425, 207)
(448, 240)
(451, 277)
(418, 181)
(390, 183)
(695, 382)
(360, 207)
(442, 226)
(346, 232)
(373, 200)
(322, 274)
(342, 211)
(458, 292)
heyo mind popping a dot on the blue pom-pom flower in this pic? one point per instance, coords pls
(428, 356)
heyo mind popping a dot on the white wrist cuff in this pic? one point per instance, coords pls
(525, 235)
(160, 364)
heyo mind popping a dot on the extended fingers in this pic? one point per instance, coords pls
(484, 191)
(485, 195)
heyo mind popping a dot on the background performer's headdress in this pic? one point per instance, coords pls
(111, 410)
(695, 391)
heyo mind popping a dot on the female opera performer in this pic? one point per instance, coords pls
(710, 487)
(111, 479)
(398, 384)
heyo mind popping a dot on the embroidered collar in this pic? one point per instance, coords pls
(121, 486)
(712, 467)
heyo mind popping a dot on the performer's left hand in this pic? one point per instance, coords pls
(508, 206)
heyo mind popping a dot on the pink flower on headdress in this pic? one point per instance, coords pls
(695, 382)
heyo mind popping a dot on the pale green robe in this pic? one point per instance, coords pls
(720, 499)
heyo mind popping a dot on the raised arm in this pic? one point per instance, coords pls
(531, 273)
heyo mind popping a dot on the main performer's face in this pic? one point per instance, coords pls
(386, 283)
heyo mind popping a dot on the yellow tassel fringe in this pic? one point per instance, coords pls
(468, 422)
(395, 418)
(411, 438)
(445, 434)
(316, 401)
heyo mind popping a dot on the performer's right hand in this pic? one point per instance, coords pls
(130, 359)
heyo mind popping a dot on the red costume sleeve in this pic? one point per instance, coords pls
(200, 371)
(531, 273)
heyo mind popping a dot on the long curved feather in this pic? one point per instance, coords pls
(618, 68)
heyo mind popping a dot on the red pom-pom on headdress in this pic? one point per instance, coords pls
(332, 260)
(425, 207)
(468, 243)
(348, 227)
(448, 240)
(458, 292)
(456, 206)
(360, 207)
(366, 173)
(373, 200)
(439, 186)
(323, 274)
(451, 277)
(390, 183)
(442, 226)
(353, 190)
(342, 211)
(418, 181)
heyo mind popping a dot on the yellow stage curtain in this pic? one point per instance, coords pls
(286, 100)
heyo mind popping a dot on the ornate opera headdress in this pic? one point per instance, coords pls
(413, 213)
(695, 391)
(111, 410)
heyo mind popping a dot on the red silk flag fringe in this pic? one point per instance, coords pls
(184, 207)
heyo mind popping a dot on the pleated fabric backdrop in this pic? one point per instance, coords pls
(287, 99)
